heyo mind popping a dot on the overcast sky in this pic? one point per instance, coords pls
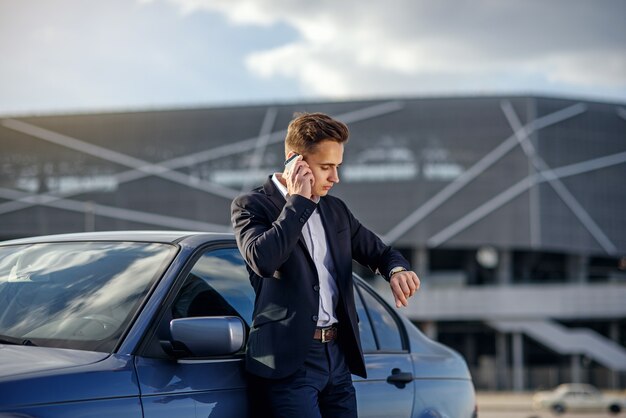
(88, 55)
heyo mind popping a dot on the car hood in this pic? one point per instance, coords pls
(19, 359)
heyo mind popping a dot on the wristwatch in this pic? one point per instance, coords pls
(396, 270)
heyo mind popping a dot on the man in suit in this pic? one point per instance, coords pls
(299, 243)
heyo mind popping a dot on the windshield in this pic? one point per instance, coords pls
(78, 295)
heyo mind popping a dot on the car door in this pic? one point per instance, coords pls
(389, 389)
(572, 400)
(590, 400)
(216, 284)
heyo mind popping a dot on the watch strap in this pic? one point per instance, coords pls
(396, 270)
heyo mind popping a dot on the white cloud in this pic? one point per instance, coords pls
(71, 54)
(288, 61)
(592, 68)
(380, 47)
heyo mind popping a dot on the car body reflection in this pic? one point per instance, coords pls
(100, 312)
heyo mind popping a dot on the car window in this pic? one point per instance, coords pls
(217, 285)
(386, 329)
(368, 342)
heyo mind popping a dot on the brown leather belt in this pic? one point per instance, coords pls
(325, 334)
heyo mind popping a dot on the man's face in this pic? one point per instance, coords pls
(324, 162)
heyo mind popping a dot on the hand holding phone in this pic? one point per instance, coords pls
(298, 176)
(291, 161)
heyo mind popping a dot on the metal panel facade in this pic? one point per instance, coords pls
(513, 172)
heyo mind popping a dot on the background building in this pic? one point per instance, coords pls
(511, 208)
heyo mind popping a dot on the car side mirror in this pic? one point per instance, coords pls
(207, 336)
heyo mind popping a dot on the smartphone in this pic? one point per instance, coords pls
(291, 161)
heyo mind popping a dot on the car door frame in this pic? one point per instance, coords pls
(187, 398)
(381, 364)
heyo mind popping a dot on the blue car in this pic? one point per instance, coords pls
(153, 324)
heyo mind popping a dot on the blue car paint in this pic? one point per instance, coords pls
(54, 383)
(435, 368)
(19, 360)
(380, 397)
(212, 387)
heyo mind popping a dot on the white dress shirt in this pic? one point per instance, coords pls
(315, 240)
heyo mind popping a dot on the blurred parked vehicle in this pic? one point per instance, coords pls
(153, 324)
(574, 397)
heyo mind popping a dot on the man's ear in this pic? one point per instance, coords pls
(290, 154)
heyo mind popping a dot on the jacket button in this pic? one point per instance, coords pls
(314, 318)
(316, 288)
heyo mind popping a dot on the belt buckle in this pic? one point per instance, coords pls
(324, 330)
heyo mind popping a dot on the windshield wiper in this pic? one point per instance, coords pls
(16, 341)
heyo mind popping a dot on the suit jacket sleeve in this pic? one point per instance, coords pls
(370, 251)
(266, 241)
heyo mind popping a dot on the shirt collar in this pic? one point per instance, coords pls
(283, 190)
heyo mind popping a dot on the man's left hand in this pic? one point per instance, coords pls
(404, 284)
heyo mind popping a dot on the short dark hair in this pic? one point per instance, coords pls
(306, 130)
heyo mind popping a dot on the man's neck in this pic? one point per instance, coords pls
(279, 177)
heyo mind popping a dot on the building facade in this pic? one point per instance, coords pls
(511, 208)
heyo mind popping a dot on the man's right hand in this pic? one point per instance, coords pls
(299, 178)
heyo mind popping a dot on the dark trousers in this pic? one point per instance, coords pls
(321, 388)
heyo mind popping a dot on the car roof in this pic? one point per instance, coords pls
(165, 237)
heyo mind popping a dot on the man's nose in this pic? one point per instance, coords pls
(334, 175)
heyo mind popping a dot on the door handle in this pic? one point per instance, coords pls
(399, 378)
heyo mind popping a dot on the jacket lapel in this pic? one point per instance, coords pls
(276, 197)
(274, 194)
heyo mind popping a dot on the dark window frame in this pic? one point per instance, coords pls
(404, 340)
(151, 337)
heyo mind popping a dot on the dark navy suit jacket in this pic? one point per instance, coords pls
(268, 230)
